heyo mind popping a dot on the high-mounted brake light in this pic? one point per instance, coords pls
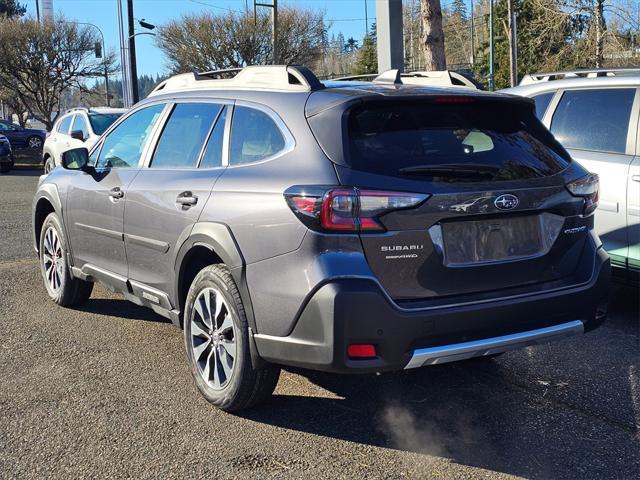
(587, 187)
(347, 209)
(453, 99)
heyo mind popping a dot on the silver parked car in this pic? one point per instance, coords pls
(595, 115)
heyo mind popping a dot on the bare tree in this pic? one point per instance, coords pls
(432, 37)
(41, 60)
(206, 41)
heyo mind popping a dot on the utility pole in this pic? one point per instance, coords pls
(513, 44)
(473, 38)
(124, 60)
(366, 18)
(133, 71)
(274, 25)
(491, 48)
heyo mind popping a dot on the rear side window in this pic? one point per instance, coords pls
(542, 103)
(254, 136)
(63, 126)
(213, 154)
(184, 135)
(594, 119)
(79, 123)
(450, 142)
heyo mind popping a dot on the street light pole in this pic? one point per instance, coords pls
(106, 70)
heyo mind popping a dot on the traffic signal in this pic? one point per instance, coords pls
(98, 49)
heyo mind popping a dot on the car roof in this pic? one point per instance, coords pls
(548, 83)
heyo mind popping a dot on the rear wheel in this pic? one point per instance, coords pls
(216, 336)
(34, 142)
(61, 286)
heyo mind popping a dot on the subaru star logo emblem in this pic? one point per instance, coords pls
(506, 201)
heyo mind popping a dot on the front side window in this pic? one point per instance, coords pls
(65, 123)
(184, 135)
(124, 145)
(254, 136)
(542, 103)
(594, 119)
(79, 123)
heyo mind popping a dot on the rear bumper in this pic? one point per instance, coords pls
(356, 311)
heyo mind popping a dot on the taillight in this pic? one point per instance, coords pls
(348, 209)
(588, 188)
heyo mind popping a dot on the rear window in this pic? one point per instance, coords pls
(101, 121)
(474, 141)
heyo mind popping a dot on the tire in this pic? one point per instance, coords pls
(61, 286)
(34, 141)
(49, 165)
(230, 383)
(5, 167)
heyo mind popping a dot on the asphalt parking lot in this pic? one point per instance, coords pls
(105, 391)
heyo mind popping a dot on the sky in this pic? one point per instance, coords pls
(348, 17)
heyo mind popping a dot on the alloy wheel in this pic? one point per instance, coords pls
(35, 142)
(53, 259)
(213, 338)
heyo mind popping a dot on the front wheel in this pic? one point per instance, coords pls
(61, 286)
(49, 165)
(216, 335)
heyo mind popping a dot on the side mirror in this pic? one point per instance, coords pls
(78, 135)
(76, 159)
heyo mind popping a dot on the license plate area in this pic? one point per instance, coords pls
(498, 239)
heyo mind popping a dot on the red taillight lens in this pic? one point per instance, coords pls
(347, 209)
(589, 188)
(361, 351)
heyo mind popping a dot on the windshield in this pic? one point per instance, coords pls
(452, 141)
(101, 121)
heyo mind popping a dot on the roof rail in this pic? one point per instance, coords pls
(291, 78)
(581, 73)
(76, 109)
(439, 78)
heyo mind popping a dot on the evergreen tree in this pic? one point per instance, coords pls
(367, 61)
(11, 8)
(459, 10)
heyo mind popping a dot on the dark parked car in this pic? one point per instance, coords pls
(347, 226)
(6, 155)
(21, 137)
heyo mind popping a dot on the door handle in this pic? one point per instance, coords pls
(187, 199)
(115, 192)
(635, 178)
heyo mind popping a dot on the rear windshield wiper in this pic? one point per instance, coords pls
(451, 169)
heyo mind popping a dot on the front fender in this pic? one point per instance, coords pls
(47, 192)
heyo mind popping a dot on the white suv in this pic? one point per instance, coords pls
(78, 127)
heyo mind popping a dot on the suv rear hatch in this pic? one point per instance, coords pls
(491, 209)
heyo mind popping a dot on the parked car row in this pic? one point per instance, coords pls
(343, 226)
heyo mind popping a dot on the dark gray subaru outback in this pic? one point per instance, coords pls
(342, 226)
